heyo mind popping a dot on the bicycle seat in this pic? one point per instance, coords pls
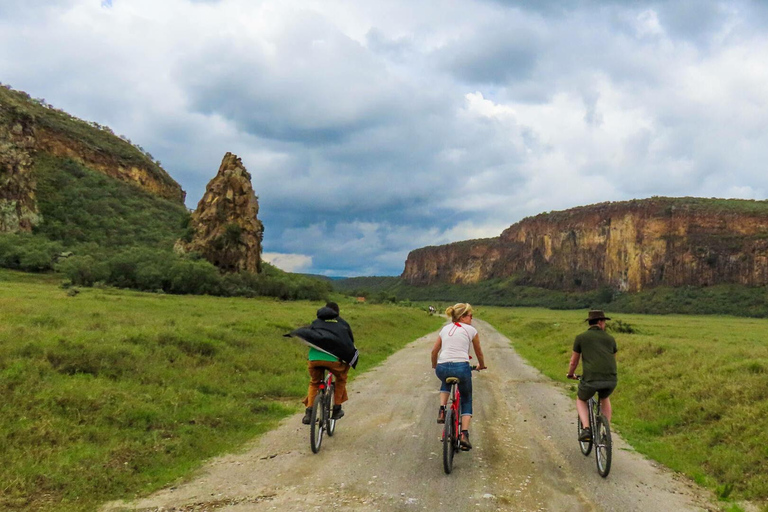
(452, 380)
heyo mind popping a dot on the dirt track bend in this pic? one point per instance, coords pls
(386, 453)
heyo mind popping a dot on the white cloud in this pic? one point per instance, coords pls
(288, 262)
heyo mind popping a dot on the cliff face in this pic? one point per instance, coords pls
(18, 206)
(144, 176)
(627, 246)
(227, 231)
(30, 127)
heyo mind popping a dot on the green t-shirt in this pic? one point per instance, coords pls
(597, 349)
(319, 355)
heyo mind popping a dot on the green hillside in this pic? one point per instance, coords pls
(18, 105)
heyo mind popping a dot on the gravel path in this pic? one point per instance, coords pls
(386, 453)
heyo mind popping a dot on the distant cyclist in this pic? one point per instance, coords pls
(331, 347)
(597, 349)
(450, 358)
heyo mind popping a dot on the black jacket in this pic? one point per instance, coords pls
(330, 333)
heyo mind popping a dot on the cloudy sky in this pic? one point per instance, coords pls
(372, 128)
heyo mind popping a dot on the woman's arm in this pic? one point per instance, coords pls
(436, 351)
(478, 352)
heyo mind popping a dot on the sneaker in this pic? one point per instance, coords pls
(586, 435)
(464, 441)
(307, 416)
(441, 415)
(337, 412)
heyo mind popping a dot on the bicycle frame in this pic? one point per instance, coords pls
(320, 419)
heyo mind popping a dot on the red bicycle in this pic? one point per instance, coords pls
(321, 420)
(452, 427)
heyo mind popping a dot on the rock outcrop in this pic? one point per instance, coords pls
(625, 245)
(18, 205)
(31, 127)
(226, 230)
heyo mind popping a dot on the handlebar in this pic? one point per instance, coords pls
(575, 377)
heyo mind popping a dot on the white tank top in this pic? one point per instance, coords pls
(457, 338)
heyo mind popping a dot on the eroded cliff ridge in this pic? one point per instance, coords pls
(628, 246)
(29, 127)
(226, 230)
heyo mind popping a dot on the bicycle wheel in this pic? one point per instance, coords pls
(316, 425)
(603, 446)
(449, 446)
(329, 409)
(586, 446)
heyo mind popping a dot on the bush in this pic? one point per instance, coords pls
(28, 252)
(83, 270)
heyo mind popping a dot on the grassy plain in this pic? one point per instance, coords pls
(692, 394)
(110, 393)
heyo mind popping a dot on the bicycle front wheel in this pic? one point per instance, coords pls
(449, 441)
(586, 446)
(603, 446)
(329, 409)
(316, 424)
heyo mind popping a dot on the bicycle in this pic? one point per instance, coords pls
(320, 419)
(601, 437)
(452, 428)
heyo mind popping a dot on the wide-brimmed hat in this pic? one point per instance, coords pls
(596, 314)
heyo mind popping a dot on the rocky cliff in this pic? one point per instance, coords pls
(29, 127)
(226, 230)
(18, 205)
(625, 245)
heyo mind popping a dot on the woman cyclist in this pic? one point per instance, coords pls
(450, 358)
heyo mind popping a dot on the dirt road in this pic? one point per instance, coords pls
(386, 453)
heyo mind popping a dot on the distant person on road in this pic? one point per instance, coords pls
(450, 358)
(597, 349)
(331, 347)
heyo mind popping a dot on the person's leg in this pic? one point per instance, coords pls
(340, 371)
(605, 408)
(583, 409)
(315, 378)
(583, 394)
(465, 390)
(442, 373)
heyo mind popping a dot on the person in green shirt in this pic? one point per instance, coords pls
(333, 333)
(597, 350)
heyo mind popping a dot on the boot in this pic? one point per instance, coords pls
(337, 412)
(307, 416)
(464, 441)
(441, 414)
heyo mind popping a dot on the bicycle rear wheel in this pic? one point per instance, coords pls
(449, 441)
(586, 446)
(603, 446)
(316, 424)
(329, 409)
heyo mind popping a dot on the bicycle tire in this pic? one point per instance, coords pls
(603, 446)
(449, 446)
(329, 410)
(586, 446)
(316, 424)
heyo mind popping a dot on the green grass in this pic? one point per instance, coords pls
(110, 394)
(692, 394)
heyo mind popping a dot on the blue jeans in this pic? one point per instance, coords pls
(464, 373)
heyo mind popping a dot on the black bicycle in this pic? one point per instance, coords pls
(601, 437)
(322, 409)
